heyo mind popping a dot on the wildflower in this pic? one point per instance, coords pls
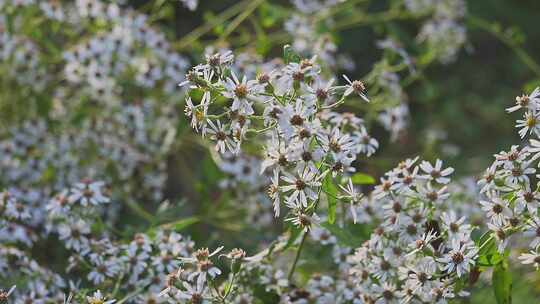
(532, 257)
(74, 234)
(294, 118)
(60, 204)
(222, 135)
(424, 241)
(433, 196)
(533, 229)
(487, 182)
(453, 225)
(194, 294)
(277, 154)
(501, 236)
(336, 142)
(436, 173)
(198, 113)
(365, 144)
(395, 120)
(205, 267)
(322, 236)
(98, 298)
(353, 196)
(219, 59)
(241, 92)
(17, 210)
(319, 91)
(460, 258)
(273, 192)
(4, 295)
(529, 102)
(103, 269)
(88, 192)
(420, 276)
(301, 186)
(190, 4)
(529, 124)
(497, 210)
(527, 199)
(383, 269)
(304, 221)
(356, 87)
(386, 293)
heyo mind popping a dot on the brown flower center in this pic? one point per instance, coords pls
(457, 258)
(241, 91)
(296, 120)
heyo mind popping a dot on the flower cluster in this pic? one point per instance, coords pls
(75, 218)
(444, 32)
(289, 110)
(242, 173)
(90, 139)
(308, 41)
(97, 125)
(195, 281)
(419, 251)
(510, 190)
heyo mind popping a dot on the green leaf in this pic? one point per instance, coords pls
(362, 179)
(289, 55)
(344, 236)
(502, 283)
(263, 45)
(183, 223)
(531, 85)
(176, 225)
(331, 194)
(271, 14)
(488, 255)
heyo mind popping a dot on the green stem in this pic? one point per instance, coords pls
(346, 6)
(362, 19)
(297, 257)
(239, 19)
(188, 40)
(137, 209)
(231, 283)
(261, 130)
(131, 295)
(508, 41)
(486, 242)
(337, 103)
(304, 236)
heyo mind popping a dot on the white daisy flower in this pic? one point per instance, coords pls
(301, 187)
(459, 259)
(529, 102)
(98, 298)
(532, 257)
(356, 87)
(436, 173)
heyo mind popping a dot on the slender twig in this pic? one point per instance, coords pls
(229, 289)
(337, 103)
(239, 19)
(362, 19)
(508, 41)
(131, 295)
(304, 237)
(194, 35)
(297, 257)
